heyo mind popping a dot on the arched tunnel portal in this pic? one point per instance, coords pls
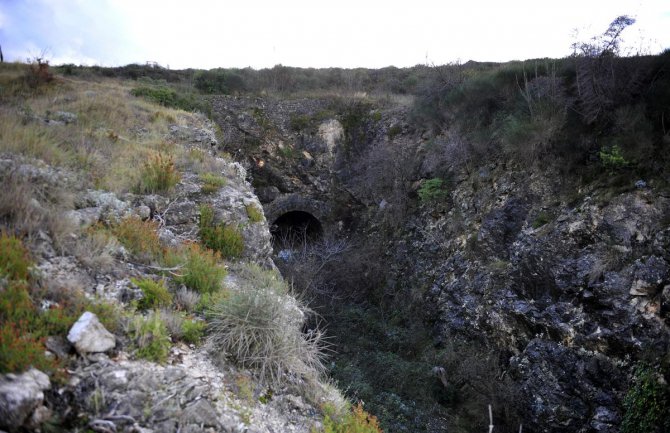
(295, 219)
(296, 227)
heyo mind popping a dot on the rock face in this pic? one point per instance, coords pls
(20, 396)
(88, 335)
(195, 396)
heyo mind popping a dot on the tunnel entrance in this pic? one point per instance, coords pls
(295, 228)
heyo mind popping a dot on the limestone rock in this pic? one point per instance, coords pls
(20, 395)
(89, 335)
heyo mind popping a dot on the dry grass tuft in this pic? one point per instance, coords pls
(259, 326)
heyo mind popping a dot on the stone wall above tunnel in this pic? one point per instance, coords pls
(298, 203)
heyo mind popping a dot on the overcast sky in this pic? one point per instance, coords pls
(314, 33)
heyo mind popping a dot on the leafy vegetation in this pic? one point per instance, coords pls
(158, 175)
(140, 238)
(150, 336)
(170, 97)
(14, 259)
(433, 190)
(154, 294)
(355, 421)
(255, 215)
(211, 183)
(199, 268)
(647, 404)
(224, 238)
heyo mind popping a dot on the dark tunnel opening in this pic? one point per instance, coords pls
(295, 228)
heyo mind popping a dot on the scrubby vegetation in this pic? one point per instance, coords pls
(211, 183)
(158, 175)
(154, 294)
(150, 336)
(259, 326)
(199, 268)
(355, 421)
(224, 238)
(647, 403)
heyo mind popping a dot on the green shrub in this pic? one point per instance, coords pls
(192, 331)
(259, 326)
(224, 238)
(255, 215)
(155, 294)
(161, 95)
(169, 97)
(201, 269)
(150, 336)
(355, 421)
(15, 303)
(14, 258)
(140, 238)
(158, 175)
(647, 404)
(432, 190)
(19, 349)
(612, 158)
(211, 183)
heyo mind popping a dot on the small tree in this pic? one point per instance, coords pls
(599, 82)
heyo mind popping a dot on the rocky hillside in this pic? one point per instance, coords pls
(532, 276)
(137, 287)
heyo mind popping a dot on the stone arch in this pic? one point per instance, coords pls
(293, 214)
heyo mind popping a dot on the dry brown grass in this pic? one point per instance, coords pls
(111, 139)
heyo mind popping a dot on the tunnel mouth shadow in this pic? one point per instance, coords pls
(295, 228)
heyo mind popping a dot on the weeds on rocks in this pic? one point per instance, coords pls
(158, 175)
(224, 238)
(259, 325)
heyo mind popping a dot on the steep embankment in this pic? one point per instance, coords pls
(491, 259)
(119, 207)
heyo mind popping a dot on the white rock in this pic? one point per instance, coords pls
(88, 335)
(20, 395)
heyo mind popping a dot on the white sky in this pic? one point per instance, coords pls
(344, 33)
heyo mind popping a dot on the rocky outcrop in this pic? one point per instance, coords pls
(192, 395)
(20, 397)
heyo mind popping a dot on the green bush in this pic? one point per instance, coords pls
(259, 326)
(14, 258)
(432, 190)
(647, 404)
(140, 238)
(612, 158)
(171, 98)
(211, 183)
(20, 350)
(158, 175)
(155, 294)
(355, 421)
(192, 331)
(150, 336)
(200, 270)
(255, 215)
(224, 238)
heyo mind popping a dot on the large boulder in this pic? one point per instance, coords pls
(88, 335)
(20, 395)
